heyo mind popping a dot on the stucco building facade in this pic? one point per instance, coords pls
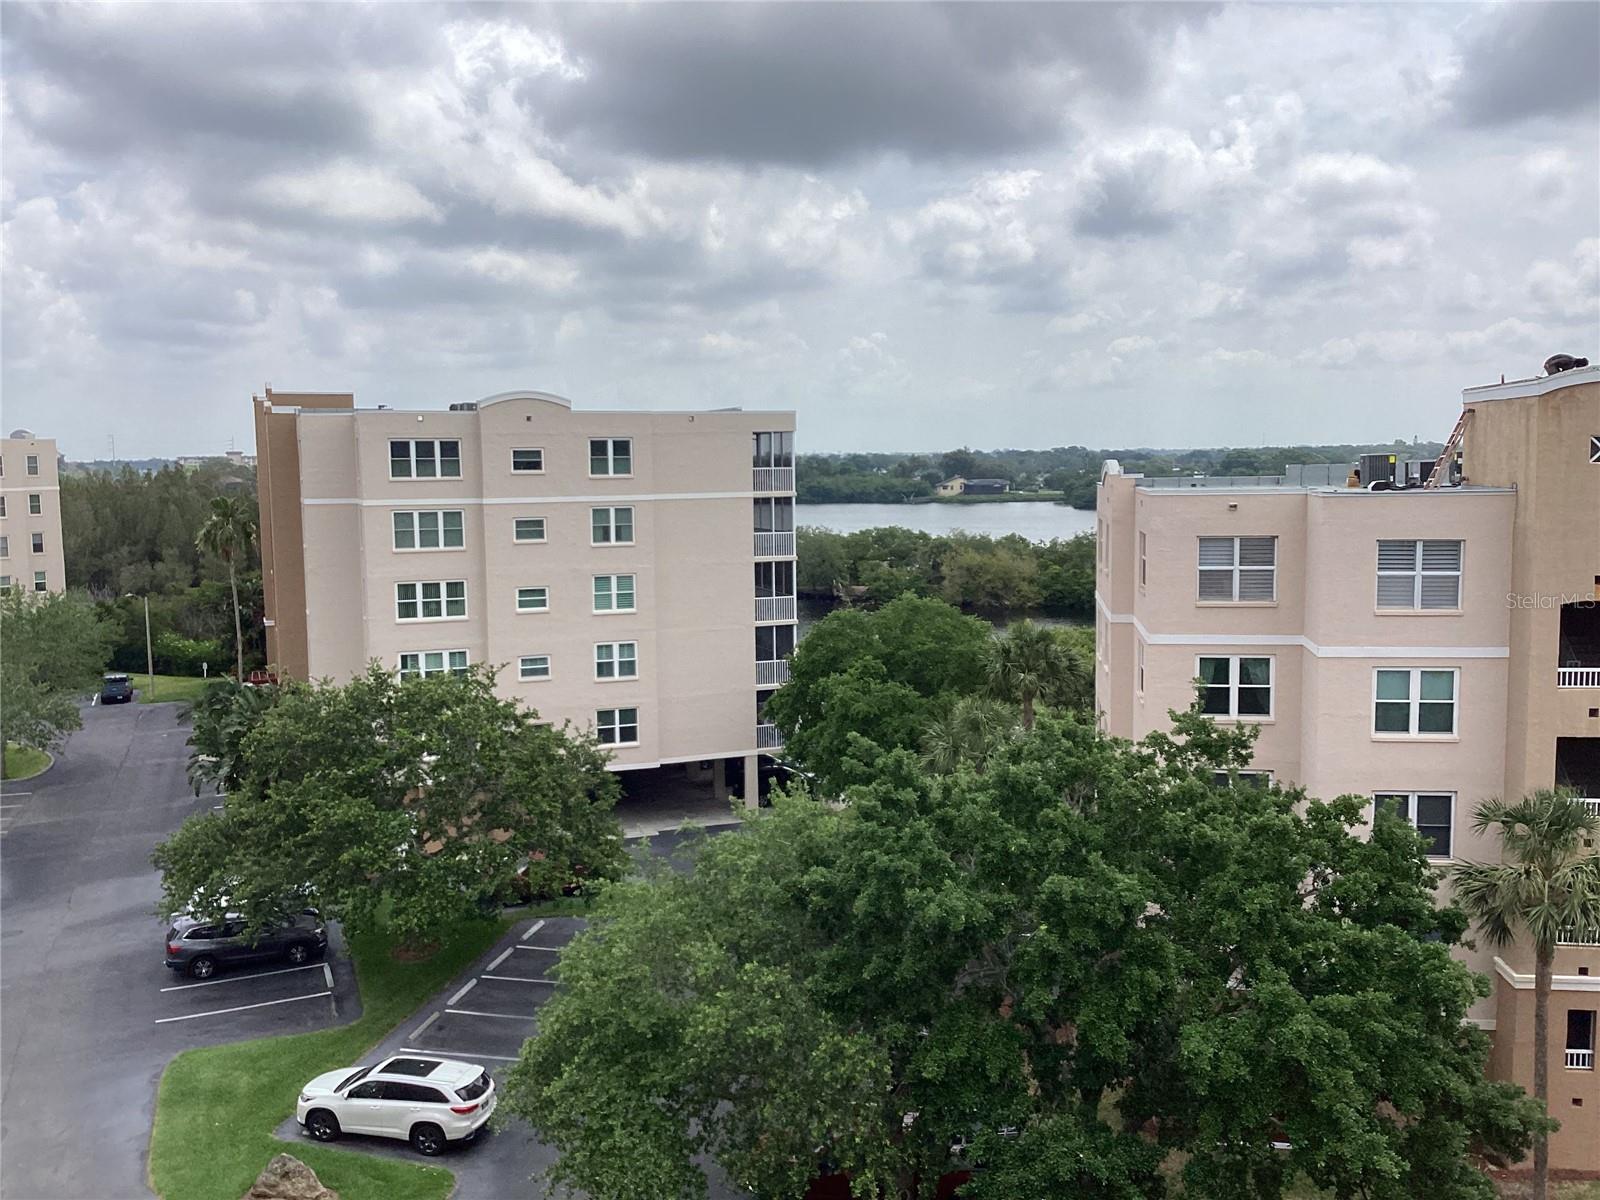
(1428, 647)
(31, 552)
(629, 572)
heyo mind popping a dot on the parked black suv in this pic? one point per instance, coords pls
(200, 948)
(116, 689)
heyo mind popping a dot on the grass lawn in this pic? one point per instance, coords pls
(24, 762)
(218, 1106)
(171, 687)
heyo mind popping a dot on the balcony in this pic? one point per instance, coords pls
(1580, 1060)
(774, 479)
(1578, 646)
(769, 737)
(1578, 677)
(1573, 936)
(775, 608)
(771, 674)
(775, 545)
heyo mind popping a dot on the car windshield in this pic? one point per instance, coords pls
(355, 1077)
(476, 1088)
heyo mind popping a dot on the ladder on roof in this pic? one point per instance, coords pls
(1451, 445)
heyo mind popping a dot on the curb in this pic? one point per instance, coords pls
(42, 771)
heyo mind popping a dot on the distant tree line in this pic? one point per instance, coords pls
(129, 534)
(979, 573)
(1071, 471)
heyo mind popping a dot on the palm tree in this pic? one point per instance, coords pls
(972, 728)
(1029, 663)
(1548, 880)
(228, 533)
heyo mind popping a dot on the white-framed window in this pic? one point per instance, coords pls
(1414, 701)
(35, 504)
(39, 584)
(429, 529)
(5, 546)
(533, 599)
(529, 529)
(423, 664)
(1594, 448)
(613, 593)
(1237, 686)
(1419, 574)
(611, 526)
(5, 582)
(774, 642)
(1238, 569)
(1255, 777)
(533, 666)
(1143, 561)
(1580, 1039)
(38, 543)
(425, 458)
(617, 726)
(610, 456)
(616, 660)
(528, 461)
(2, 506)
(1431, 814)
(430, 600)
(1138, 656)
(33, 464)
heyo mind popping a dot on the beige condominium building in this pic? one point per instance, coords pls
(1426, 646)
(31, 554)
(629, 572)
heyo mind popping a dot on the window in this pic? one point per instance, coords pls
(613, 593)
(2, 506)
(775, 578)
(424, 458)
(1251, 777)
(1414, 701)
(617, 726)
(527, 462)
(5, 546)
(431, 601)
(611, 456)
(33, 464)
(38, 543)
(1428, 812)
(425, 664)
(1580, 1039)
(39, 584)
(1139, 667)
(1238, 569)
(530, 529)
(616, 660)
(611, 526)
(774, 642)
(35, 508)
(774, 515)
(533, 666)
(772, 450)
(367, 1091)
(1594, 448)
(533, 599)
(1237, 687)
(5, 583)
(429, 530)
(1143, 572)
(1419, 574)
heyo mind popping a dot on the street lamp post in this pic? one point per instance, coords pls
(149, 656)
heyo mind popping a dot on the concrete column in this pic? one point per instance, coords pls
(752, 782)
(719, 779)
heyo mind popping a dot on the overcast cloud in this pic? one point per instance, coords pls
(919, 226)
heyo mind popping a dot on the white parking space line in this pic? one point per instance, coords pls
(8, 795)
(505, 954)
(456, 999)
(516, 979)
(467, 1012)
(417, 1032)
(241, 978)
(532, 929)
(467, 1054)
(327, 973)
(217, 1012)
(2, 806)
(546, 949)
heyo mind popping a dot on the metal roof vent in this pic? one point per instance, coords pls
(1557, 363)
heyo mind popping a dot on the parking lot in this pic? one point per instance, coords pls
(262, 998)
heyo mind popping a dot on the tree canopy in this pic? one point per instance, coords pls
(1084, 968)
(423, 797)
(53, 648)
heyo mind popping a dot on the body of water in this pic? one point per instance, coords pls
(1038, 522)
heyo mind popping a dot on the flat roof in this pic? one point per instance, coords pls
(1538, 386)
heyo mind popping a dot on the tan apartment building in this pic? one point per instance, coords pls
(1427, 646)
(629, 572)
(31, 553)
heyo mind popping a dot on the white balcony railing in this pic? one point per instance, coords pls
(775, 545)
(1592, 803)
(1581, 677)
(1580, 1060)
(771, 674)
(1571, 935)
(774, 479)
(769, 737)
(774, 608)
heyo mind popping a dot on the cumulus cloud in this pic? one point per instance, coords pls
(1528, 60)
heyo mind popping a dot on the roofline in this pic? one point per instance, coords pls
(549, 397)
(1156, 487)
(1539, 386)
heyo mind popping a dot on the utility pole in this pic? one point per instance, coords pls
(149, 655)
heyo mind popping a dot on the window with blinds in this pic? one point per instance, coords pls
(1238, 569)
(1419, 574)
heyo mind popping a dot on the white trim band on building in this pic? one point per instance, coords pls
(485, 501)
(683, 758)
(1558, 983)
(1294, 639)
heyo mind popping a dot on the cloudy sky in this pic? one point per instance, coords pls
(920, 226)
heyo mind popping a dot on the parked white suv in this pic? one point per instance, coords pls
(429, 1102)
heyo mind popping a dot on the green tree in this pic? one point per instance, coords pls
(425, 797)
(968, 731)
(53, 647)
(1030, 662)
(1547, 881)
(225, 715)
(1058, 945)
(229, 532)
(990, 577)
